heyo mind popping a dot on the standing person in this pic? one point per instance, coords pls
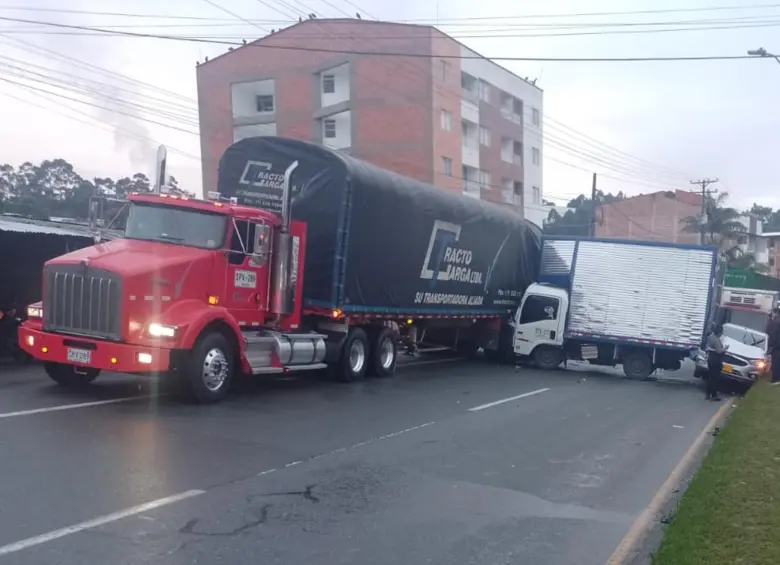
(773, 345)
(715, 352)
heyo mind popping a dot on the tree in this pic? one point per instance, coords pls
(54, 188)
(576, 222)
(720, 226)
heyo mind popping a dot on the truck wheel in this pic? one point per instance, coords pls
(208, 369)
(637, 365)
(354, 357)
(547, 358)
(384, 353)
(69, 375)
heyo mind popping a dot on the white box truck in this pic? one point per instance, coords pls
(643, 305)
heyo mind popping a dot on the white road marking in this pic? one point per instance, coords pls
(69, 407)
(102, 520)
(505, 400)
(266, 472)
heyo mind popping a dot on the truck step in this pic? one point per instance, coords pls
(292, 368)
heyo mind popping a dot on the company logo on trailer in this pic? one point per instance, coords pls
(444, 260)
(258, 173)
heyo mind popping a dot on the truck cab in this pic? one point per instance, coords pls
(197, 289)
(540, 322)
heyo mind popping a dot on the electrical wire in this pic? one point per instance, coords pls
(266, 45)
(721, 8)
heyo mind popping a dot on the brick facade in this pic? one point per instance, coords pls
(652, 217)
(395, 101)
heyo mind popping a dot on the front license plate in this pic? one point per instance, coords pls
(728, 368)
(79, 355)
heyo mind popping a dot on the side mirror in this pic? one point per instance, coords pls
(261, 244)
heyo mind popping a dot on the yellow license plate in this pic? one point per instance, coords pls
(728, 368)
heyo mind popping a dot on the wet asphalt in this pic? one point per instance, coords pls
(434, 466)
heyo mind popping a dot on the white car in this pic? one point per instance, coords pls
(746, 358)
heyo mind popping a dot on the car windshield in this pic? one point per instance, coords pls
(180, 226)
(745, 335)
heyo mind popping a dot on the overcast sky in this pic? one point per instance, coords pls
(673, 121)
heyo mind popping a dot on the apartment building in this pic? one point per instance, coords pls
(772, 240)
(405, 97)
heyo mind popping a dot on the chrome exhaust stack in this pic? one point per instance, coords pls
(284, 263)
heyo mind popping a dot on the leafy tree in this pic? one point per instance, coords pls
(576, 221)
(720, 226)
(54, 188)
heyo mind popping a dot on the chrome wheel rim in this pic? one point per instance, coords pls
(387, 353)
(357, 356)
(215, 369)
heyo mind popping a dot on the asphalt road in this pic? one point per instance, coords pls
(432, 467)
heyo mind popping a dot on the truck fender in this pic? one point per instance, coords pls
(193, 316)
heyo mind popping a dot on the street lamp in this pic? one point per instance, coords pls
(761, 52)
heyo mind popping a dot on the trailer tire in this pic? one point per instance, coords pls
(637, 365)
(352, 365)
(70, 375)
(547, 358)
(208, 370)
(383, 354)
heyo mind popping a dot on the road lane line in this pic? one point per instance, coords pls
(100, 521)
(625, 549)
(70, 406)
(505, 400)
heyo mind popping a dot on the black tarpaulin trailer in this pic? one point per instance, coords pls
(382, 243)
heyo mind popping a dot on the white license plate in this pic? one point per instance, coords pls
(79, 355)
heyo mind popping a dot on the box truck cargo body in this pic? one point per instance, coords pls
(643, 305)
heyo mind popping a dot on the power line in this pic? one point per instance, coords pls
(111, 31)
(439, 20)
(386, 53)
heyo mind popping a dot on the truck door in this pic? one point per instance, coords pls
(246, 277)
(539, 320)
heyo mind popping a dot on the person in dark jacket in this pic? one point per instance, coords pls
(715, 352)
(773, 344)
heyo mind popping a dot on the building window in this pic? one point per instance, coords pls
(447, 165)
(446, 120)
(742, 240)
(484, 136)
(485, 179)
(537, 195)
(328, 84)
(445, 70)
(518, 188)
(265, 102)
(484, 91)
(535, 117)
(536, 156)
(329, 128)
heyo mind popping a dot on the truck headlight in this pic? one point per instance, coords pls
(159, 330)
(35, 312)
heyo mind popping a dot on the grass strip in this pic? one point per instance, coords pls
(730, 514)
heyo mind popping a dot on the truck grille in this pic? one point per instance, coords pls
(82, 300)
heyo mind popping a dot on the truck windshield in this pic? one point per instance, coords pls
(180, 226)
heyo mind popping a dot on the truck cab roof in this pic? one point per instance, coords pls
(212, 206)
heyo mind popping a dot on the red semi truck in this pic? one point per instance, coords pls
(304, 259)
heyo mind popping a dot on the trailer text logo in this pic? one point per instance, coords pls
(260, 175)
(445, 261)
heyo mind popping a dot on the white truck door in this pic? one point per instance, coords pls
(539, 321)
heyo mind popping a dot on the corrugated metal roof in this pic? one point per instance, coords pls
(23, 225)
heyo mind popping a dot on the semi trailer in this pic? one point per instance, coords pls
(642, 305)
(303, 258)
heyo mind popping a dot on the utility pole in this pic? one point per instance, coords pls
(592, 230)
(704, 183)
